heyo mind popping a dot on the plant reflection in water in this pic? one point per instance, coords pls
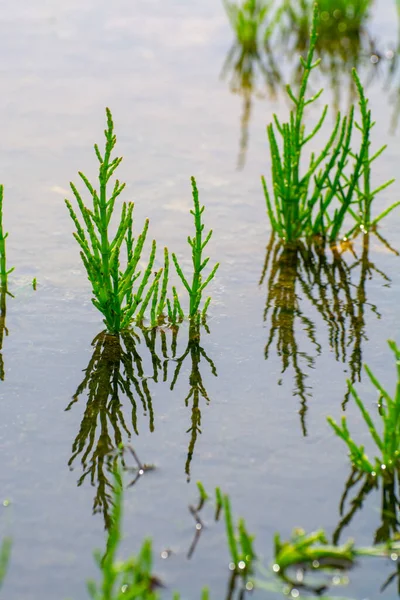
(3, 328)
(389, 529)
(116, 374)
(333, 281)
(115, 369)
(197, 391)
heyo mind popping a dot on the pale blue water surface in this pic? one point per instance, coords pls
(157, 65)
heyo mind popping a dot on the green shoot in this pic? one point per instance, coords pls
(197, 244)
(202, 492)
(112, 284)
(175, 312)
(240, 543)
(387, 442)
(34, 284)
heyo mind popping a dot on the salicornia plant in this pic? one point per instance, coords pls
(301, 202)
(197, 244)
(113, 284)
(388, 442)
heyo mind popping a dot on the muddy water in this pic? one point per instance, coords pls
(259, 432)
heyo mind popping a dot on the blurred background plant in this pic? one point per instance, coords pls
(250, 58)
(343, 43)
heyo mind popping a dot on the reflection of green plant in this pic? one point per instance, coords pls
(285, 264)
(112, 287)
(197, 389)
(3, 328)
(115, 371)
(388, 443)
(5, 552)
(390, 507)
(197, 244)
(331, 282)
(195, 512)
(4, 273)
(389, 528)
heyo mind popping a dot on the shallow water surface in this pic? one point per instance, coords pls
(248, 411)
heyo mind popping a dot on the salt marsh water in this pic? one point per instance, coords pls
(264, 437)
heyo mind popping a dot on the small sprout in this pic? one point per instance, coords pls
(203, 493)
